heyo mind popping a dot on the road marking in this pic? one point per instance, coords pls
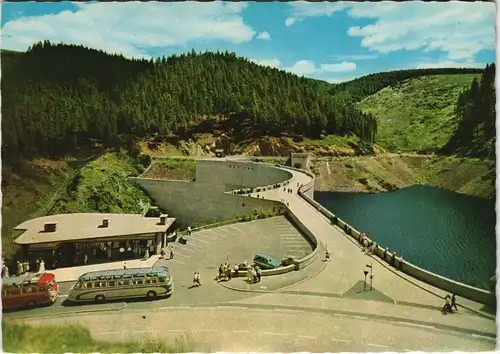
(240, 331)
(341, 315)
(208, 330)
(176, 330)
(175, 308)
(341, 340)
(207, 236)
(197, 240)
(215, 233)
(378, 345)
(232, 307)
(176, 261)
(111, 332)
(186, 249)
(197, 246)
(309, 337)
(143, 331)
(328, 168)
(273, 334)
(182, 255)
(481, 336)
(360, 317)
(416, 325)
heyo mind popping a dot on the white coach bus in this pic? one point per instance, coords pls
(122, 284)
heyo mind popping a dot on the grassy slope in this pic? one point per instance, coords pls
(389, 172)
(418, 114)
(172, 168)
(20, 338)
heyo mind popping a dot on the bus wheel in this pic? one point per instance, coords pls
(151, 295)
(30, 304)
(100, 298)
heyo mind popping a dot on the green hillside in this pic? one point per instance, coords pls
(417, 114)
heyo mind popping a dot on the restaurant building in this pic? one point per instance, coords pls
(67, 240)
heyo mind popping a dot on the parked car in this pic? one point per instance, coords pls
(287, 261)
(265, 261)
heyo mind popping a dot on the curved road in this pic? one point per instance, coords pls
(320, 314)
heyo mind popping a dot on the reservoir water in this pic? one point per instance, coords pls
(446, 233)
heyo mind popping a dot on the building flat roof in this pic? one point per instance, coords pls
(87, 226)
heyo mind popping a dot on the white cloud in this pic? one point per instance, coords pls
(340, 67)
(303, 9)
(337, 80)
(308, 68)
(459, 29)
(265, 36)
(274, 63)
(354, 57)
(132, 28)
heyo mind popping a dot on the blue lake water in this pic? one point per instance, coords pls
(446, 233)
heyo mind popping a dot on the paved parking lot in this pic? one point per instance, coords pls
(236, 243)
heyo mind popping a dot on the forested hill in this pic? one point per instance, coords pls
(476, 116)
(58, 99)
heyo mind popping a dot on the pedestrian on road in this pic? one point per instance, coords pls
(258, 273)
(171, 252)
(124, 265)
(327, 256)
(236, 268)
(221, 271)
(454, 302)
(189, 230)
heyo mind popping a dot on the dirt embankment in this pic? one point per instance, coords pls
(390, 172)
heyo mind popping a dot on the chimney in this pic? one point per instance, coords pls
(49, 227)
(163, 219)
(105, 222)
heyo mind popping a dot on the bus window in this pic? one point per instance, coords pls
(30, 289)
(162, 279)
(13, 290)
(111, 283)
(126, 282)
(151, 281)
(88, 285)
(138, 281)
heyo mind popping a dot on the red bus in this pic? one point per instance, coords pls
(29, 290)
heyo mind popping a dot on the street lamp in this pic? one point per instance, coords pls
(371, 275)
(366, 273)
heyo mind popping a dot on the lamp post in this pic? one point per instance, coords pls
(366, 273)
(371, 275)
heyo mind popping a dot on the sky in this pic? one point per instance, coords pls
(331, 41)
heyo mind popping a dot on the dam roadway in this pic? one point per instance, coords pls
(324, 311)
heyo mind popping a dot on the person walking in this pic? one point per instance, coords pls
(454, 302)
(124, 265)
(258, 273)
(198, 281)
(189, 230)
(171, 252)
(327, 256)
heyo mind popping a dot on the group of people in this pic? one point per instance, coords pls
(225, 272)
(253, 274)
(450, 303)
(196, 279)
